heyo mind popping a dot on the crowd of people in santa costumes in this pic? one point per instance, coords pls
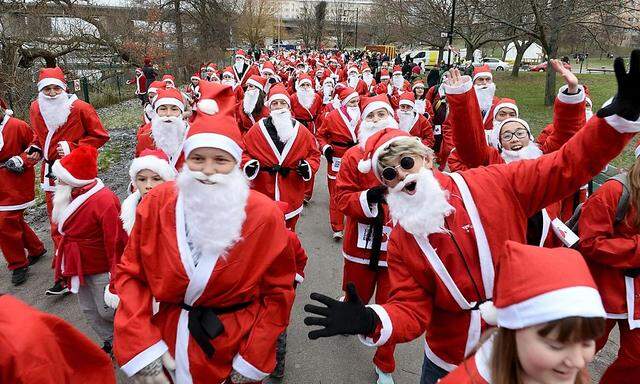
(191, 279)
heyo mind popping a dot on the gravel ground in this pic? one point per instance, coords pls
(333, 360)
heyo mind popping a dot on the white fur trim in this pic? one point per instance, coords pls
(128, 211)
(245, 368)
(8, 112)
(364, 165)
(152, 89)
(279, 96)
(376, 105)
(385, 331)
(152, 163)
(417, 85)
(255, 84)
(66, 149)
(244, 169)
(348, 98)
(299, 278)
(483, 74)
(51, 81)
(368, 211)
(5, 208)
(505, 105)
(566, 302)
(466, 86)
(489, 313)
(212, 140)
(144, 358)
(302, 81)
(407, 102)
(168, 101)
(359, 260)
(64, 175)
(397, 73)
(208, 106)
(571, 99)
(384, 77)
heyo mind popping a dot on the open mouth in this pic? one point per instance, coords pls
(516, 147)
(207, 182)
(410, 188)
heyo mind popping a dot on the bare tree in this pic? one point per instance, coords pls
(257, 18)
(306, 31)
(320, 13)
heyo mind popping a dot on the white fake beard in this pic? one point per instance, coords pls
(128, 211)
(354, 113)
(250, 100)
(327, 94)
(531, 151)
(306, 97)
(421, 106)
(54, 110)
(284, 125)
(168, 133)
(398, 81)
(369, 128)
(352, 81)
(422, 213)
(214, 213)
(367, 78)
(239, 64)
(230, 82)
(61, 200)
(405, 120)
(485, 95)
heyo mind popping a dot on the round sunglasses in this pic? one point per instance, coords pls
(390, 173)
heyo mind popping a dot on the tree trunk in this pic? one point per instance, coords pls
(179, 60)
(550, 85)
(470, 50)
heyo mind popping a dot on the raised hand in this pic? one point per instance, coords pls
(626, 102)
(348, 317)
(455, 78)
(569, 77)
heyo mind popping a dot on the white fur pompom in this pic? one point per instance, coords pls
(489, 313)
(364, 166)
(208, 106)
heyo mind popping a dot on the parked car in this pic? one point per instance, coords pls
(543, 66)
(494, 64)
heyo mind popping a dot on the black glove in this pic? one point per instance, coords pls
(328, 154)
(632, 272)
(33, 149)
(349, 317)
(626, 102)
(304, 170)
(15, 165)
(376, 194)
(251, 168)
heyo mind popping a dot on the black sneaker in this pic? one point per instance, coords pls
(36, 258)
(19, 275)
(59, 288)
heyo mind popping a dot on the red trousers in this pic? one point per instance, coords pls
(15, 237)
(625, 369)
(308, 189)
(367, 281)
(336, 217)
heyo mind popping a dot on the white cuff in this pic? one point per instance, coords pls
(466, 86)
(325, 148)
(366, 208)
(622, 125)
(250, 162)
(385, 332)
(145, 358)
(18, 160)
(571, 99)
(306, 163)
(244, 368)
(299, 278)
(66, 149)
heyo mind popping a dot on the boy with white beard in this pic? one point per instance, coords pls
(413, 122)
(167, 129)
(360, 198)
(336, 135)
(252, 108)
(281, 155)
(61, 123)
(92, 239)
(448, 234)
(215, 255)
(306, 103)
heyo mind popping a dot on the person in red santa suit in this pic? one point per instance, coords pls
(423, 106)
(549, 314)
(92, 239)
(269, 73)
(224, 299)
(41, 348)
(384, 87)
(167, 129)
(193, 90)
(444, 245)
(368, 79)
(169, 81)
(20, 246)
(152, 93)
(242, 68)
(360, 197)
(281, 155)
(336, 135)
(486, 92)
(409, 120)
(141, 85)
(609, 239)
(398, 86)
(61, 123)
(306, 103)
(252, 108)
(228, 78)
(354, 81)
(211, 72)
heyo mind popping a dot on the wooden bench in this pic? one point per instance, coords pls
(602, 70)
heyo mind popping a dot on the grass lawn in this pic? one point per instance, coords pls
(528, 91)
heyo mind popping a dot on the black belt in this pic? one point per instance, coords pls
(204, 324)
(284, 171)
(348, 144)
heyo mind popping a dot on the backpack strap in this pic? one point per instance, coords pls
(623, 203)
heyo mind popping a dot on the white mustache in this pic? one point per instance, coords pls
(217, 178)
(407, 180)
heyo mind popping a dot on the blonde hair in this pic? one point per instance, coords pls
(405, 146)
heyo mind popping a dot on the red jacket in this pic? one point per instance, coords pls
(145, 141)
(299, 254)
(337, 131)
(246, 121)
(422, 128)
(16, 190)
(306, 117)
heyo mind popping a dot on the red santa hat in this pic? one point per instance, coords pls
(482, 71)
(211, 67)
(139, 71)
(353, 68)
(268, 67)
(278, 92)
(217, 127)
(51, 76)
(505, 102)
(155, 86)
(384, 74)
(376, 144)
(228, 70)
(154, 160)
(328, 79)
(169, 79)
(537, 285)
(397, 70)
(407, 98)
(304, 78)
(78, 168)
(365, 67)
(257, 81)
(370, 104)
(195, 76)
(345, 94)
(169, 96)
(240, 53)
(417, 84)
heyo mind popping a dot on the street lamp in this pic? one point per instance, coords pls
(453, 17)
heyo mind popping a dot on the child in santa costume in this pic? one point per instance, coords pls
(360, 197)
(215, 255)
(252, 107)
(609, 239)
(20, 246)
(549, 314)
(92, 239)
(423, 105)
(281, 155)
(335, 136)
(152, 93)
(448, 236)
(61, 123)
(141, 85)
(409, 120)
(41, 348)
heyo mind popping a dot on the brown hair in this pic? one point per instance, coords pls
(634, 190)
(505, 366)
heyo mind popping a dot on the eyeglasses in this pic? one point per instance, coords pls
(390, 173)
(520, 133)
